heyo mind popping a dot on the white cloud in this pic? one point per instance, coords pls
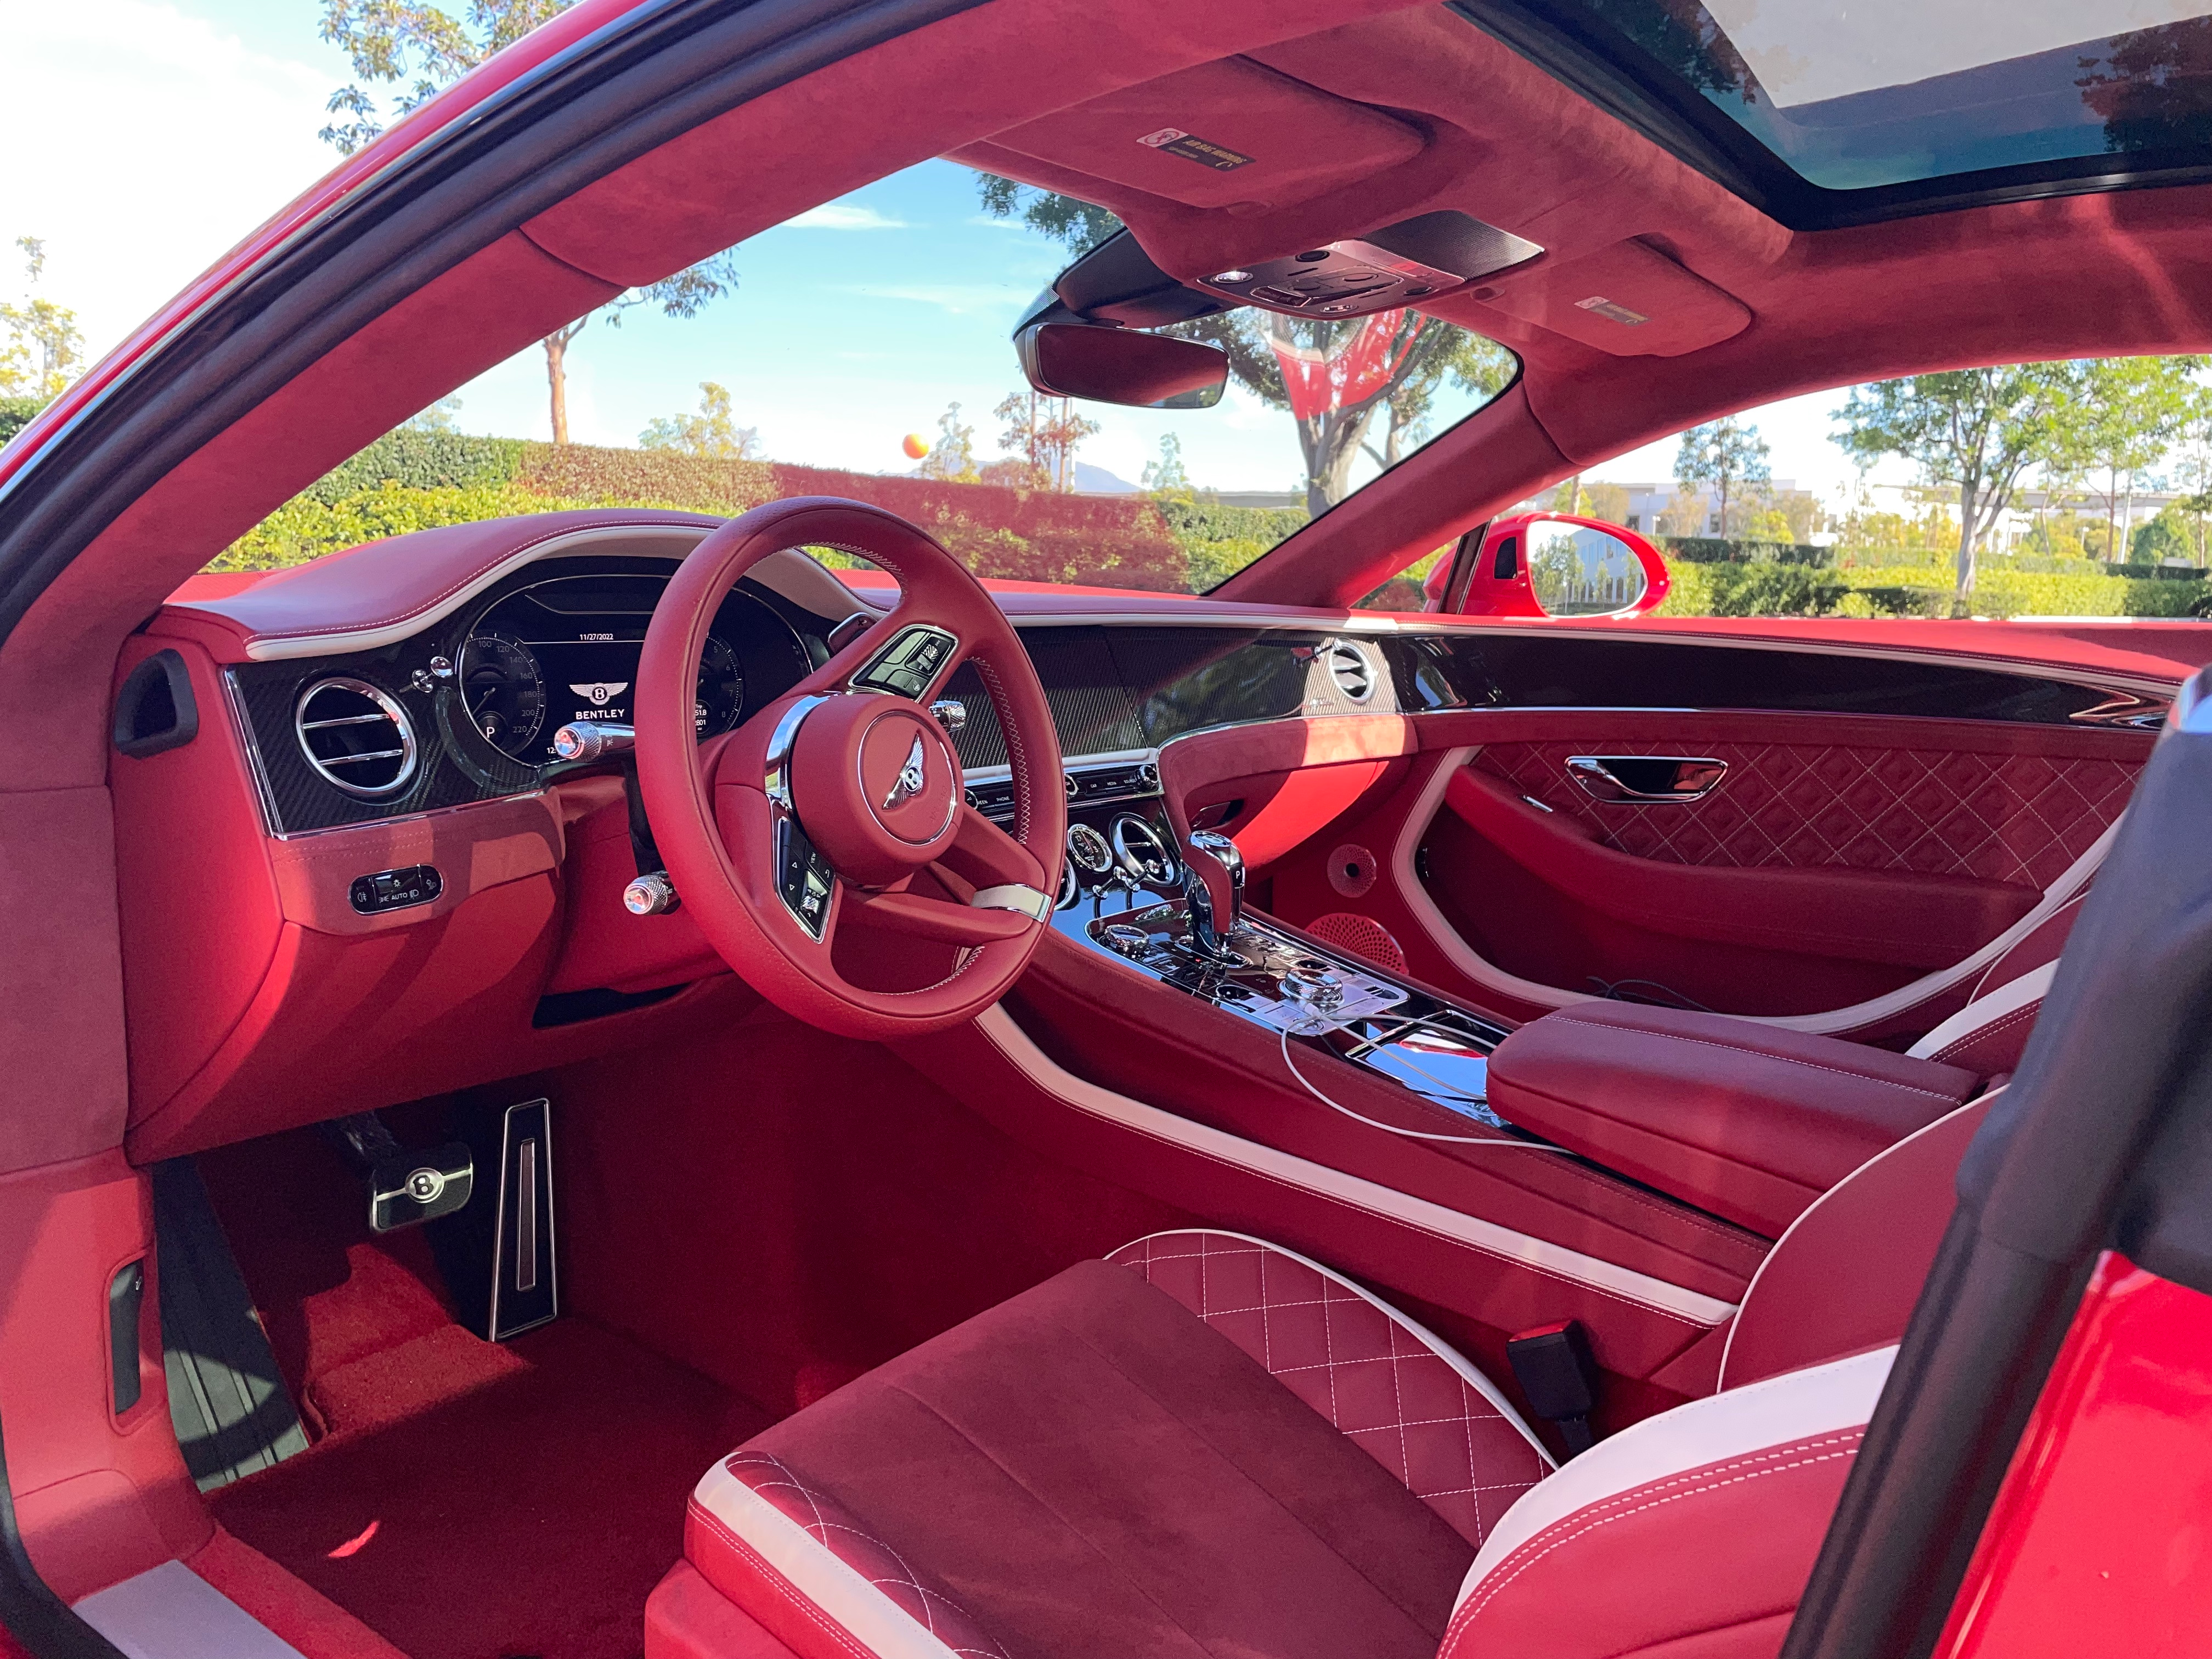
(147, 143)
(958, 298)
(844, 215)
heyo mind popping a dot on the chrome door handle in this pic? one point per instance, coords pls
(1646, 780)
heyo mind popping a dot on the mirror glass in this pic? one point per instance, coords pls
(1576, 571)
(1121, 366)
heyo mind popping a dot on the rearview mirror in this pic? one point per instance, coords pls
(1552, 564)
(1121, 366)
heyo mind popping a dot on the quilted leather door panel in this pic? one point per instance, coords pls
(1839, 857)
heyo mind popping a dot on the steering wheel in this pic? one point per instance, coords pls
(824, 806)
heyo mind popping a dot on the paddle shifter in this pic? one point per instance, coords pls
(1213, 887)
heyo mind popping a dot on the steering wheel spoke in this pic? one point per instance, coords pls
(939, 920)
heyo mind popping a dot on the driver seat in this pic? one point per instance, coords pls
(1207, 1444)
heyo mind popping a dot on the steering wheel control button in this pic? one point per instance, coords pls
(653, 895)
(802, 877)
(409, 1189)
(910, 664)
(395, 890)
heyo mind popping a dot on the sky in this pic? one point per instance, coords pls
(851, 326)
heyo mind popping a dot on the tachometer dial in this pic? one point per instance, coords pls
(505, 691)
(721, 691)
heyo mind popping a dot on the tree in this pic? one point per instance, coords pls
(2129, 410)
(426, 48)
(711, 435)
(953, 457)
(1976, 429)
(1070, 220)
(1335, 379)
(439, 417)
(1167, 475)
(41, 347)
(1041, 433)
(1725, 456)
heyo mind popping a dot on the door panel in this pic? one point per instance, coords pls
(1837, 858)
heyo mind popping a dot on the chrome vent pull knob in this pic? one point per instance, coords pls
(652, 894)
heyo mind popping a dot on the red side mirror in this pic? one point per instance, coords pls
(1552, 564)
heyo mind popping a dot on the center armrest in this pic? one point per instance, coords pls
(1748, 1120)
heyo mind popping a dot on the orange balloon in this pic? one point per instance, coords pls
(914, 448)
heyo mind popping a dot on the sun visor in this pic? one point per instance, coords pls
(1220, 134)
(1627, 300)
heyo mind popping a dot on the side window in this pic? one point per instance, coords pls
(2090, 494)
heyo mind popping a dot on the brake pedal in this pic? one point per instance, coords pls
(405, 1188)
(525, 1275)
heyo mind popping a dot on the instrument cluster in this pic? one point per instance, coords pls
(565, 651)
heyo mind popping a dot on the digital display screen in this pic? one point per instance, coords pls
(586, 680)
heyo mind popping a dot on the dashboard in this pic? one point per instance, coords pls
(466, 710)
(389, 886)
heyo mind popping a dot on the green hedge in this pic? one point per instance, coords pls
(16, 414)
(413, 480)
(1919, 590)
(1220, 540)
(421, 460)
(1715, 549)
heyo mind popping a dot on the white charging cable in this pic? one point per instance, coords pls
(1307, 1082)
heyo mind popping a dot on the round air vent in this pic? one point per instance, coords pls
(1353, 674)
(355, 737)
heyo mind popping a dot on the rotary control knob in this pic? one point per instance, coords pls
(1321, 991)
(650, 895)
(1129, 941)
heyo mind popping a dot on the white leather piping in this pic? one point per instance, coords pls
(2009, 997)
(1471, 1232)
(882, 1627)
(1421, 1334)
(1796, 1406)
(1832, 1022)
(1720, 1380)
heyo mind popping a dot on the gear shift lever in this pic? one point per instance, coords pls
(1213, 887)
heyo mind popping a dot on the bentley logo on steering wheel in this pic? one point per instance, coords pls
(910, 781)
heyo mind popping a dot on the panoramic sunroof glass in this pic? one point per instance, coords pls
(1881, 92)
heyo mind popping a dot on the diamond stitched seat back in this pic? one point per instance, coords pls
(1378, 1378)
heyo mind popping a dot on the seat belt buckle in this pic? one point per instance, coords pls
(1558, 1372)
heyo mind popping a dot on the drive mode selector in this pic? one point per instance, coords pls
(1088, 850)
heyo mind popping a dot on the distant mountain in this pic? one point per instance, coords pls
(1097, 481)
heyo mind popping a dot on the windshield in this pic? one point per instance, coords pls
(865, 348)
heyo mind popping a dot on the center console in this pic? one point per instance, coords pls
(1133, 890)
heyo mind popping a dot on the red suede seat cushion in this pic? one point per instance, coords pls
(1090, 1468)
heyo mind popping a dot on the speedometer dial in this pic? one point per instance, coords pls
(505, 690)
(721, 691)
